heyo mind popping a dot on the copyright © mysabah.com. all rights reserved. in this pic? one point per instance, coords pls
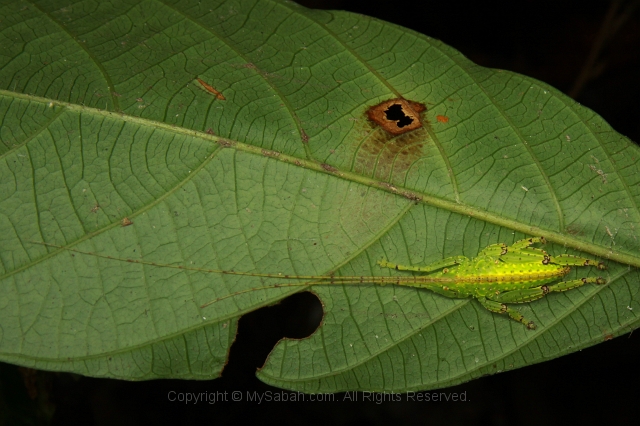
(285, 396)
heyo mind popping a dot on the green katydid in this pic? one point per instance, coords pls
(498, 275)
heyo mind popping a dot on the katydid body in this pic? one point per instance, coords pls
(503, 274)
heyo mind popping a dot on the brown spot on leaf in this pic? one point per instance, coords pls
(328, 168)
(126, 222)
(397, 116)
(442, 118)
(211, 89)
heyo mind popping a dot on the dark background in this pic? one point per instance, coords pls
(548, 40)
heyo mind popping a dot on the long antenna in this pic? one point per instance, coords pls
(411, 281)
(185, 268)
(326, 278)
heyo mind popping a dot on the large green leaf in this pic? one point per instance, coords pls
(103, 121)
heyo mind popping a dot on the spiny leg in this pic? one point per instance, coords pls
(564, 259)
(501, 308)
(571, 260)
(449, 261)
(524, 255)
(501, 249)
(522, 251)
(520, 244)
(570, 285)
(494, 250)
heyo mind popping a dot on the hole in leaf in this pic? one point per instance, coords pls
(294, 317)
(397, 116)
(395, 113)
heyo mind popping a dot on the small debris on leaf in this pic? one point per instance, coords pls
(211, 89)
